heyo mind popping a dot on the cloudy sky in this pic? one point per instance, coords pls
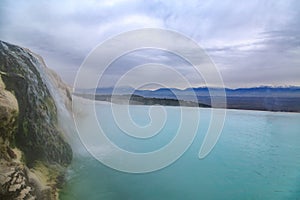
(252, 43)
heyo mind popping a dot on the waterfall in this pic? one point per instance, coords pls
(61, 93)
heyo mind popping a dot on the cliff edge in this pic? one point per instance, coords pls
(34, 151)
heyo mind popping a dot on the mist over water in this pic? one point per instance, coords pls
(256, 157)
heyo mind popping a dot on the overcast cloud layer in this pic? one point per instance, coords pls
(252, 43)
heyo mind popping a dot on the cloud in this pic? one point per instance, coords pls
(253, 43)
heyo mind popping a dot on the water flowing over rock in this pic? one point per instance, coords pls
(35, 118)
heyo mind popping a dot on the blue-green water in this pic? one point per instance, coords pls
(256, 157)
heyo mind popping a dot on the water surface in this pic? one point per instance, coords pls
(256, 157)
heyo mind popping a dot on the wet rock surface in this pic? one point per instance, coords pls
(15, 183)
(28, 122)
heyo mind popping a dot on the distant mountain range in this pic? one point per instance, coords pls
(267, 98)
(262, 91)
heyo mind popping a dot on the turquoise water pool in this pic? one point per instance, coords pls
(256, 157)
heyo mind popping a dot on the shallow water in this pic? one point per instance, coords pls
(256, 157)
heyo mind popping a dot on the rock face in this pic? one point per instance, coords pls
(28, 121)
(9, 110)
(16, 184)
